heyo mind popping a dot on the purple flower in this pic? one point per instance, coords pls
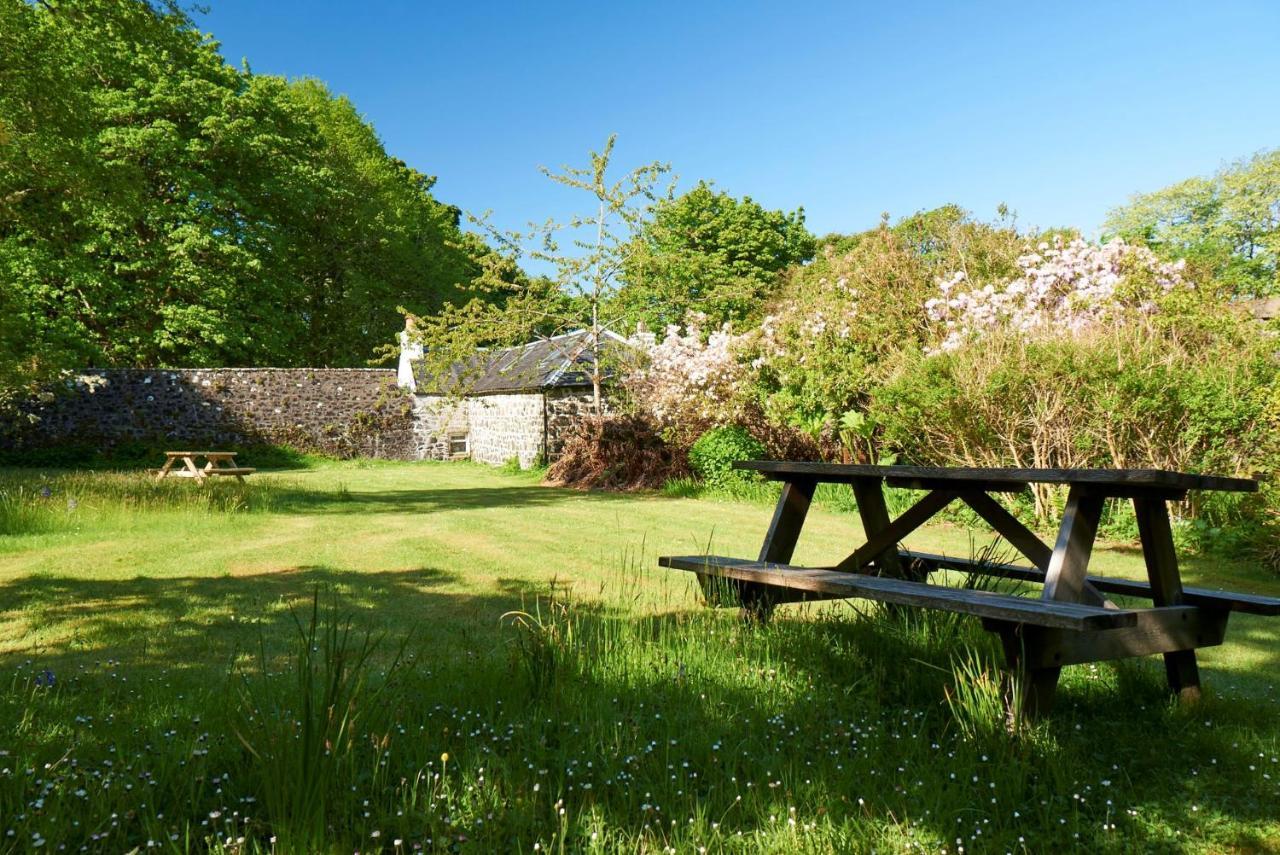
(46, 678)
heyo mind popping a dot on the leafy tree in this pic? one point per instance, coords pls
(1227, 225)
(586, 254)
(709, 252)
(368, 237)
(160, 207)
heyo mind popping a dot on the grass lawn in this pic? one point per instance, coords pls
(195, 707)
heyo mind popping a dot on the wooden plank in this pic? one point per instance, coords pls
(193, 469)
(788, 519)
(1022, 539)
(1229, 600)
(1161, 557)
(1008, 526)
(758, 601)
(868, 493)
(1165, 629)
(164, 470)
(902, 592)
(1134, 479)
(885, 538)
(1064, 578)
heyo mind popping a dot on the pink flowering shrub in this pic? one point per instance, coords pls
(690, 382)
(1063, 288)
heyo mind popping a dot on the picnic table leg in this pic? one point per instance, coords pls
(869, 494)
(779, 545)
(164, 470)
(193, 469)
(1064, 582)
(1166, 589)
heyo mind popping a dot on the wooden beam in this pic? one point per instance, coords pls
(1166, 629)
(986, 604)
(788, 519)
(883, 536)
(1064, 578)
(1007, 526)
(1181, 670)
(1023, 539)
(758, 601)
(1225, 600)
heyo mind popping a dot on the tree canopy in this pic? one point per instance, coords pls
(710, 252)
(160, 207)
(1227, 224)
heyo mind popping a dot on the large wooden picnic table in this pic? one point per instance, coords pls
(1072, 622)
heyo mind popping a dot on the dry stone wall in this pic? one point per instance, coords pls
(346, 412)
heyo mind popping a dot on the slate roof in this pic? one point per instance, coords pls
(563, 361)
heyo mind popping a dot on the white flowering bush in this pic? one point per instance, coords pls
(1063, 288)
(690, 382)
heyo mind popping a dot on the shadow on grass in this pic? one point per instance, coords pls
(428, 500)
(194, 625)
(827, 706)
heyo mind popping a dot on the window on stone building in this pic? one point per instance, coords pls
(458, 444)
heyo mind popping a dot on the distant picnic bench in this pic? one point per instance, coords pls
(216, 463)
(1072, 622)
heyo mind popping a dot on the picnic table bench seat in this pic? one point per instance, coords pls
(828, 583)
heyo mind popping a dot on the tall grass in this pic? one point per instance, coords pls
(310, 727)
(834, 729)
(38, 503)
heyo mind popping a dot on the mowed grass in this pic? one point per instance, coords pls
(539, 683)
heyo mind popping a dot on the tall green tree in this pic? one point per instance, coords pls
(161, 207)
(368, 237)
(709, 252)
(1227, 225)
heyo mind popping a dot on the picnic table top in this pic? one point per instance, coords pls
(200, 453)
(1159, 479)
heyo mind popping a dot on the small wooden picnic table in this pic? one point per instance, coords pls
(1072, 622)
(217, 463)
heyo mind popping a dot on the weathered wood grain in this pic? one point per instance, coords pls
(991, 480)
(902, 592)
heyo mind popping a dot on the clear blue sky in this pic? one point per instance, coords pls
(1060, 110)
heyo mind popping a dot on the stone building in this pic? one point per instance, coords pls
(518, 403)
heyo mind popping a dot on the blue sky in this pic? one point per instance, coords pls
(1060, 110)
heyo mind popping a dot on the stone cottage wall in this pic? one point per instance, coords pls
(499, 426)
(565, 409)
(342, 411)
(506, 426)
(434, 419)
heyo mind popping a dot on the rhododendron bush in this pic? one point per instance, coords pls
(690, 382)
(829, 337)
(1064, 288)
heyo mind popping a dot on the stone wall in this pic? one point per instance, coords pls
(523, 425)
(565, 409)
(346, 412)
(498, 427)
(505, 427)
(435, 419)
